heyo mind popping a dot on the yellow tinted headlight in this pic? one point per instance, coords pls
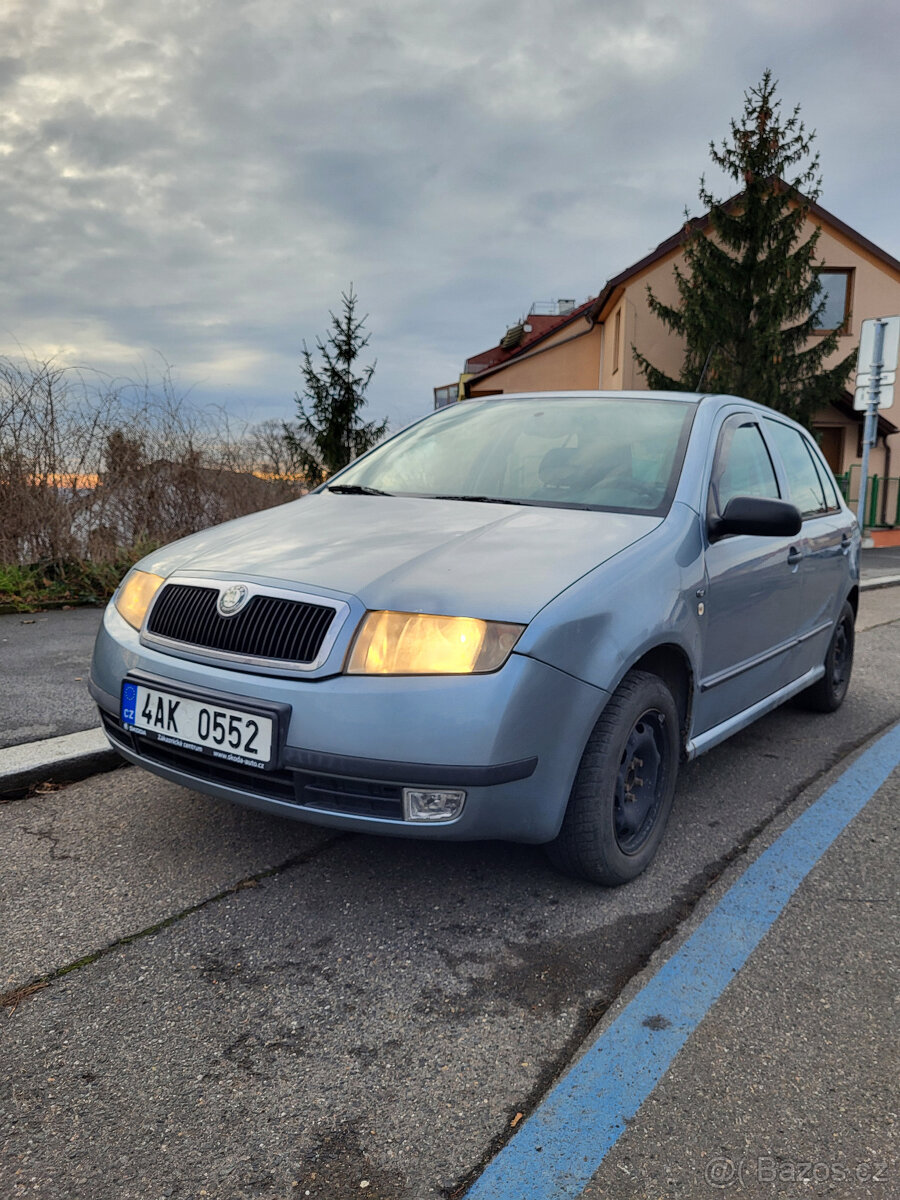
(395, 643)
(134, 596)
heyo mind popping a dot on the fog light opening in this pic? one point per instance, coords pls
(432, 804)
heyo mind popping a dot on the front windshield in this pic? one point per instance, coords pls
(622, 453)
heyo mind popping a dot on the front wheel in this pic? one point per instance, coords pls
(827, 694)
(623, 792)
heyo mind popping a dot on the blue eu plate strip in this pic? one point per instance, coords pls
(129, 703)
(561, 1145)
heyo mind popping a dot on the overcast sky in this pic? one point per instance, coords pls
(199, 179)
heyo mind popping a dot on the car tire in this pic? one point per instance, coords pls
(623, 791)
(827, 694)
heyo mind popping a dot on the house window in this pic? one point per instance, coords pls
(617, 340)
(446, 395)
(836, 294)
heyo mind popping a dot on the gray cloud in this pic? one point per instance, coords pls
(203, 181)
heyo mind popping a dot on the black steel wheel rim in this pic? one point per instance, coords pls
(640, 781)
(841, 655)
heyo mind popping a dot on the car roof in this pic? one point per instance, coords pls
(681, 397)
(705, 399)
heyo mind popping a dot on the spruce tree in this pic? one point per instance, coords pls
(750, 299)
(329, 432)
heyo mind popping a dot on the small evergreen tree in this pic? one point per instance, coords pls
(329, 433)
(750, 297)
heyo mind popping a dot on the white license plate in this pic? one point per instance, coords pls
(203, 726)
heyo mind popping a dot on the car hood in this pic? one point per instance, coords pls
(497, 561)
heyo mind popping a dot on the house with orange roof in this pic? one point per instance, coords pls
(569, 347)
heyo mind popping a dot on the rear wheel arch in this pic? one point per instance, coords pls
(827, 694)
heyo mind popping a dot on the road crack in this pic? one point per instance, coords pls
(47, 835)
(13, 998)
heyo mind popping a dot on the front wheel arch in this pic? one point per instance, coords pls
(624, 786)
(671, 664)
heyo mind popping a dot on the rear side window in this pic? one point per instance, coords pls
(803, 477)
(829, 486)
(742, 466)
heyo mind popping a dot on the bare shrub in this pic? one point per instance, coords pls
(91, 467)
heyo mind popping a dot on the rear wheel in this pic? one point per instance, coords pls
(623, 792)
(827, 694)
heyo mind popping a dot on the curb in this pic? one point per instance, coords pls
(60, 760)
(879, 581)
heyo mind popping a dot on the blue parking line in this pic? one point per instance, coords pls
(561, 1145)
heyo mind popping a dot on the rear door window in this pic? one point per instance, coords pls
(829, 485)
(803, 477)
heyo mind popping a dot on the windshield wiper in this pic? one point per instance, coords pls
(356, 489)
(482, 499)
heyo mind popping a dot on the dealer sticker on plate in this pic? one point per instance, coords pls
(200, 725)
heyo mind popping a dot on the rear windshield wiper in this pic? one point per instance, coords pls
(356, 489)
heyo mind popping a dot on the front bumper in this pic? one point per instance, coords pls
(512, 740)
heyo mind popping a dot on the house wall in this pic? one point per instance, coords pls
(564, 362)
(847, 434)
(875, 289)
(641, 328)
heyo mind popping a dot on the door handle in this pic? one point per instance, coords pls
(846, 542)
(794, 556)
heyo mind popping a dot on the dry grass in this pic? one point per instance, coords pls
(13, 999)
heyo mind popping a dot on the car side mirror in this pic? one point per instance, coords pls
(756, 516)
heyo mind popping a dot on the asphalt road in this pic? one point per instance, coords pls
(45, 660)
(240, 1006)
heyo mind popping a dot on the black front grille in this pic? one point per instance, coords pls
(268, 627)
(359, 797)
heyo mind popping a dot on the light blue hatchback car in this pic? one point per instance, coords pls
(514, 619)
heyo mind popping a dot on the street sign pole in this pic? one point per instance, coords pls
(871, 425)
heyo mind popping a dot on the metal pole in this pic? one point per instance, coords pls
(871, 426)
